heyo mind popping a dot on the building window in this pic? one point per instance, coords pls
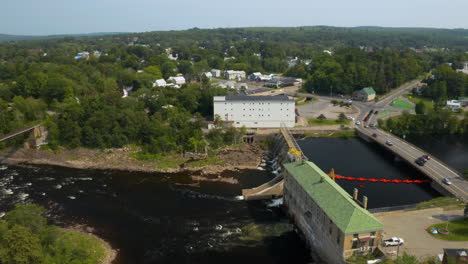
(355, 236)
(338, 238)
(237, 122)
(371, 242)
(355, 244)
(372, 234)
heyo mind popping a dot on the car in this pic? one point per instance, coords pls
(376, 112)
(446, 181)
(358, 123)
(374, 135)
(366, 126)
(420, 161)
(394, 241)
(426, 157)
(365, 119)
(390, 143)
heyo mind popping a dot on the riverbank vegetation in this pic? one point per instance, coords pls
(441, 122)
(455, 230)
(26, 238)
(448, 203)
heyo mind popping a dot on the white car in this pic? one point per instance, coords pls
(358, 123)
(446, 181)
(394, 241)
(389, 143)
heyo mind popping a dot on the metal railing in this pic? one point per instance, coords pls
(293, 140)
(393, 208)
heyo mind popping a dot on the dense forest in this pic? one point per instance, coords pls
(445, 84)
(80, 100)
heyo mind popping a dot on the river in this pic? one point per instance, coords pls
(161, 218)
(169, 218)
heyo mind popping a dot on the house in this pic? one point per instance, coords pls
(159, 83)
(454, 105)
(208, 75)
(328, 52)
(179, 80)
(365, 94)
(216, 73)
(256, 111)
(455, 256)
(254, 76)
(333, 223)
(234, 75)
(82, 55)
(463, 101)
(465, 68)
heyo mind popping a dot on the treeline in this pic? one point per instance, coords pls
(446, 83)
(26, 238)
(440, 122)
(353, 69)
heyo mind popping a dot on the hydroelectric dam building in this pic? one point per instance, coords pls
(330, 220)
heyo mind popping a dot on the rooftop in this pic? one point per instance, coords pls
(369, 90)
(335, 202)
(257, 98)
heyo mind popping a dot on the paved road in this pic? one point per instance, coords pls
(434, 168)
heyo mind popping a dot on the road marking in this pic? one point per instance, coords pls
(429, 168)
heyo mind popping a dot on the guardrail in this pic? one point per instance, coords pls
(392, 208)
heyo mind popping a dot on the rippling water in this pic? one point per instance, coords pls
(160, 218)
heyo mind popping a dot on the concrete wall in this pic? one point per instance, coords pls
(319, 233)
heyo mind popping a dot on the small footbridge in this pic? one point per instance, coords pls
(285, 149)
(38, 137)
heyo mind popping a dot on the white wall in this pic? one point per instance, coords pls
(255, 113)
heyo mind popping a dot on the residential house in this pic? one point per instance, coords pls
(333, 224)
(463, 101)
(455, 256)
(256, 111)
(454, 105)
(234, 75)
(208, 75)
(254, 76)
(178, 80)
(465, 68)
(216, 73)
(365, 94)
(159, 83)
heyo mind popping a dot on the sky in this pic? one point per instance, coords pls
(46, 17)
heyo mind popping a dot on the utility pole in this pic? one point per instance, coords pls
(331, 91)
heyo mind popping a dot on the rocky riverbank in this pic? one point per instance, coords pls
(244, 156)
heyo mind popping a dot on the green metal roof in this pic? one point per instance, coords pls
(335, 202)
(369, 90)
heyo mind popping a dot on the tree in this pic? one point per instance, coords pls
(21, 246)
(342, 117)
(321, 117)
(420, 108)
(29, 215)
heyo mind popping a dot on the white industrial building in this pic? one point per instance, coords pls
(256, 111)
(234, 75)
(178, 80)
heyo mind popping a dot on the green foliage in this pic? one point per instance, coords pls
(440, 122)
(324, 122)
(321, 117)
(25, 238)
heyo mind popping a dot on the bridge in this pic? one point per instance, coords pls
(38, 135)
(287, 150)
(434, 168)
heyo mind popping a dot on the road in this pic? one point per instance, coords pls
(433, 168)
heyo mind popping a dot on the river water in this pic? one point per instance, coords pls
(169, 218)
(161, 218)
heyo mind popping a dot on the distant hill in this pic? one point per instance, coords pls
(7, 37)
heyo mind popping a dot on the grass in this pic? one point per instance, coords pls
(429, 104)
(305, 102)
(458, 230)
(160, 161)
(444, 202)
(386, 112)
(399, 103)
(326, 122)
(341, 134)
(465, 174)
(206, 162)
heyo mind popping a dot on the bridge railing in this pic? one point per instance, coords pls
(17, 132)
(296, 145)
